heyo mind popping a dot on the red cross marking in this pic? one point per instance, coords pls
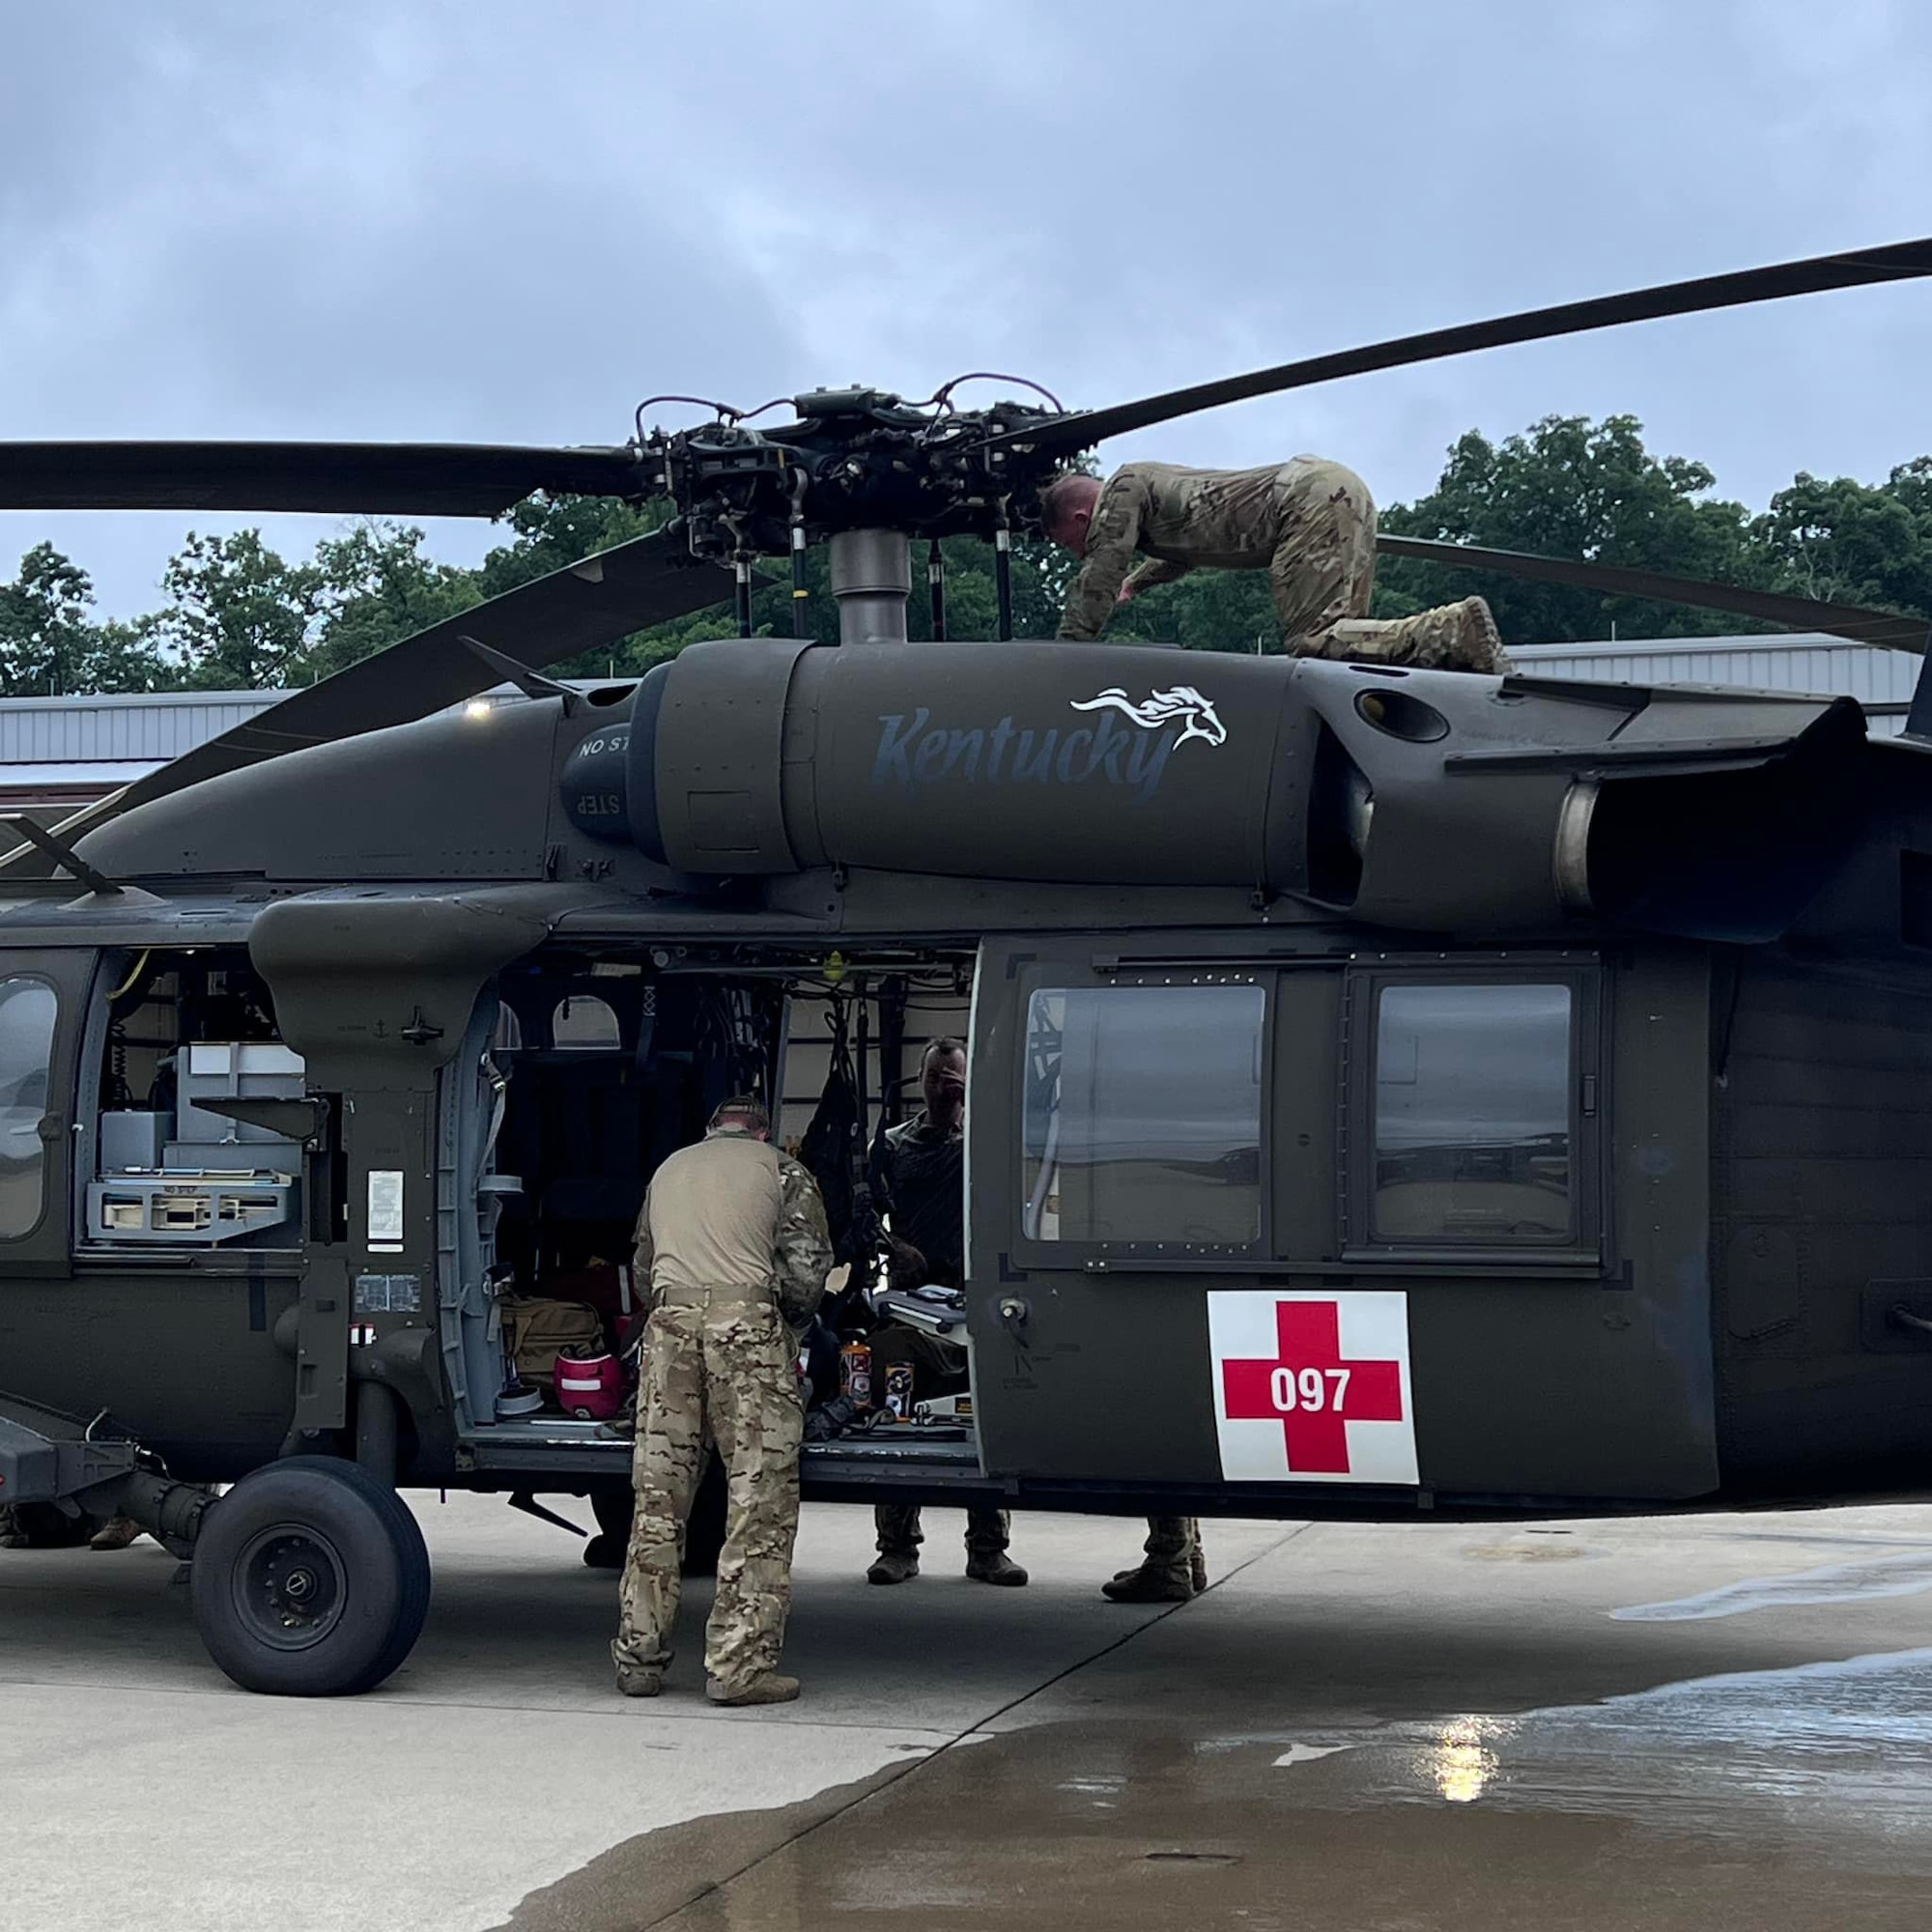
(1313, 1420)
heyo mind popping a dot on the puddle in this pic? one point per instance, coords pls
(1308, 1754)
(1836, 1583)
(1778, 1801)
(1823, 1750)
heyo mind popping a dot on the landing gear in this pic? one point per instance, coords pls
(613, 1510)
(703, 1534)
(311, 1579)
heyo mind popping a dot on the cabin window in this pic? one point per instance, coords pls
(27, 1009)
(1473, 1113)
(1141, 1119)
(585, 1024)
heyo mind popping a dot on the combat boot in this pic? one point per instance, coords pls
(116, 1534)
(1149, 1585)
(770, 1688)
(1479, 643)
(995, 1566)
(894, 1566)
(1197, 1568)
(639, 1680)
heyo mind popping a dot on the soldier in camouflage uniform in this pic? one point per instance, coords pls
(919, 1181)
(1310, 524)
(1174, 1568)
(732, 1241)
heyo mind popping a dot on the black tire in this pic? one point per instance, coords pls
(613, 1510)
(704, 1532)
(309, 1580)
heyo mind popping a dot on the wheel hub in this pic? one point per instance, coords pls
(290, 1586)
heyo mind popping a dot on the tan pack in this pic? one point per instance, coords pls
(541, 1329)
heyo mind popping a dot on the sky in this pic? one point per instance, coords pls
(470, 219)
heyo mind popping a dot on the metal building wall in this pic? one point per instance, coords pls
(1880, 680)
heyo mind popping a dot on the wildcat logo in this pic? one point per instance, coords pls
(1184, 702)
(918, 751)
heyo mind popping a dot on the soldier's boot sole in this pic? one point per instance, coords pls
(999, 1570)
(635, 1682)
(1148, 1586)
(892, 1566)
(770, 1688)
(1482, 643)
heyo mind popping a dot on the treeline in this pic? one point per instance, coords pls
(236, 615)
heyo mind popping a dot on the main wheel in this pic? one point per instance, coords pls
(311, 1579)
(613, 1508)
(703, 1532)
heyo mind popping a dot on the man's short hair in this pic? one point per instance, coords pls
(745, 1111)
(1053, 497)
(936, 1049)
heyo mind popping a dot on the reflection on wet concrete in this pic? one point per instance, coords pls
(1766, 1801)
(1836, 1583)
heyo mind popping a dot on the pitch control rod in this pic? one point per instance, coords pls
(935, 586)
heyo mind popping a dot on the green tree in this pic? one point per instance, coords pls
(239, 618)
(377, 588)
(1850, 542)
(50, 642)
(1571, 488)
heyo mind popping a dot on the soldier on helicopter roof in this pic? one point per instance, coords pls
(1309, 522)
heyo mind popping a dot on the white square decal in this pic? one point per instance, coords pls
(1312, 1385)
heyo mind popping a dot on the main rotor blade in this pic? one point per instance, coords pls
(647, 581)
(1798, 613)
(1900, 262)
(406, 479)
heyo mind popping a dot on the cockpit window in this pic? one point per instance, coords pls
(1143, 1116)
(27, 1009)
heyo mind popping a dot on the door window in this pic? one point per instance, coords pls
(27, 1010)
(582, 1023)
(1142, 1119)
(1473, 1088)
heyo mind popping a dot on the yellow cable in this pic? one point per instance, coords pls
(127, 985)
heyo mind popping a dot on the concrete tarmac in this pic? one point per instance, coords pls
(1710, 1724)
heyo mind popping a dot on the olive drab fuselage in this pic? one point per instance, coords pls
(1386, 1092)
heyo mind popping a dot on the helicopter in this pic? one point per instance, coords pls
(1392, 1093)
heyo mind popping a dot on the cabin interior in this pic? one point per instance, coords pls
(582, 1070)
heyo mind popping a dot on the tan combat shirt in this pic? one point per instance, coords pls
(1184, 520)
(731, 1223)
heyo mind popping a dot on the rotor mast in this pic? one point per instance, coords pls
(871, 579)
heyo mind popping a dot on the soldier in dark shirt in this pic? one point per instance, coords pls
(918, 1181)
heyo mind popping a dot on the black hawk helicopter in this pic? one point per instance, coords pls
(1392, 1092)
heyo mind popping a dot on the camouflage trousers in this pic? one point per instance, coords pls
(723, 1376)
(1323, 571)
(1172, 1543)
(989, 1531)
(939, 1368)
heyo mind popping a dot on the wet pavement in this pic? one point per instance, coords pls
(1707, 1724)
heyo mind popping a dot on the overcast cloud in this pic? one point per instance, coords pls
(472, 219)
